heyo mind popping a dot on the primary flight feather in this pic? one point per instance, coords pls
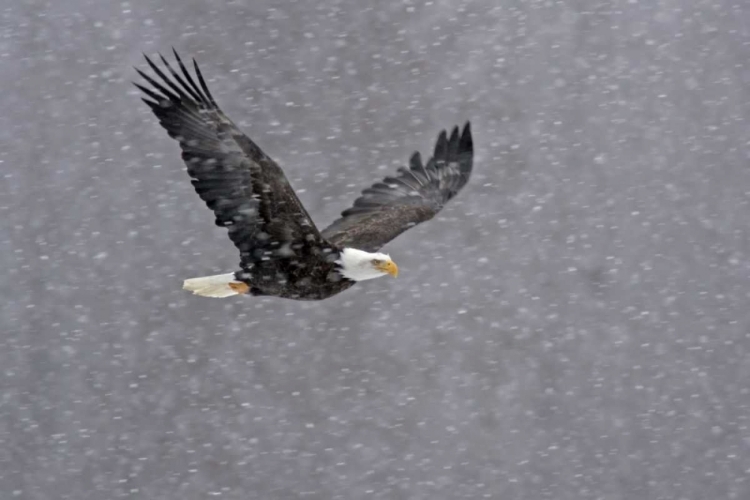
(282, 252)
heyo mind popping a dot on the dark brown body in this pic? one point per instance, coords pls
(319, 282)
(282, 252)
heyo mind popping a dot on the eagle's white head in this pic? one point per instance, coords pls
(358, 265)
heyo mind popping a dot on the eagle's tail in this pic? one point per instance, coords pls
(219, 286)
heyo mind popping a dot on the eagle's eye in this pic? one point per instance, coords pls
(376, 262)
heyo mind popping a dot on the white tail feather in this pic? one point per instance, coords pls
(212, 286)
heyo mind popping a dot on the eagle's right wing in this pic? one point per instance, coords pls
(388, 208)
(247, 191)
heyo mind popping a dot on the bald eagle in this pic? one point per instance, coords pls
(282, 252)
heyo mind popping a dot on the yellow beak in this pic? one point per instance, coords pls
(389, 267)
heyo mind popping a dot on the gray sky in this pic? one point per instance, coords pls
(575, 325)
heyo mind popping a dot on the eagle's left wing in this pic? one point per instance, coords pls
(246, 189)
(416, 194)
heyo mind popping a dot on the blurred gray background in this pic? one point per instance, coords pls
(575, 325)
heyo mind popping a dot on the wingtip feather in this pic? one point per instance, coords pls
(454, 134)
(452, 148)
(203, 82)
(441, 145)
(416, 160)
(466, 143)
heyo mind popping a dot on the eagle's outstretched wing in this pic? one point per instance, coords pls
(247, 191)
(388, 208)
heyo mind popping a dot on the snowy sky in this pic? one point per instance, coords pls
(575, 325)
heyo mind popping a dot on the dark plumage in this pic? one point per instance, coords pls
(282, 253)
(416, 194)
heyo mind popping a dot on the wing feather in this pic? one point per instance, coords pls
(247, 191)
(390, 207)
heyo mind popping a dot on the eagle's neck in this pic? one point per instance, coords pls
(357, 265)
